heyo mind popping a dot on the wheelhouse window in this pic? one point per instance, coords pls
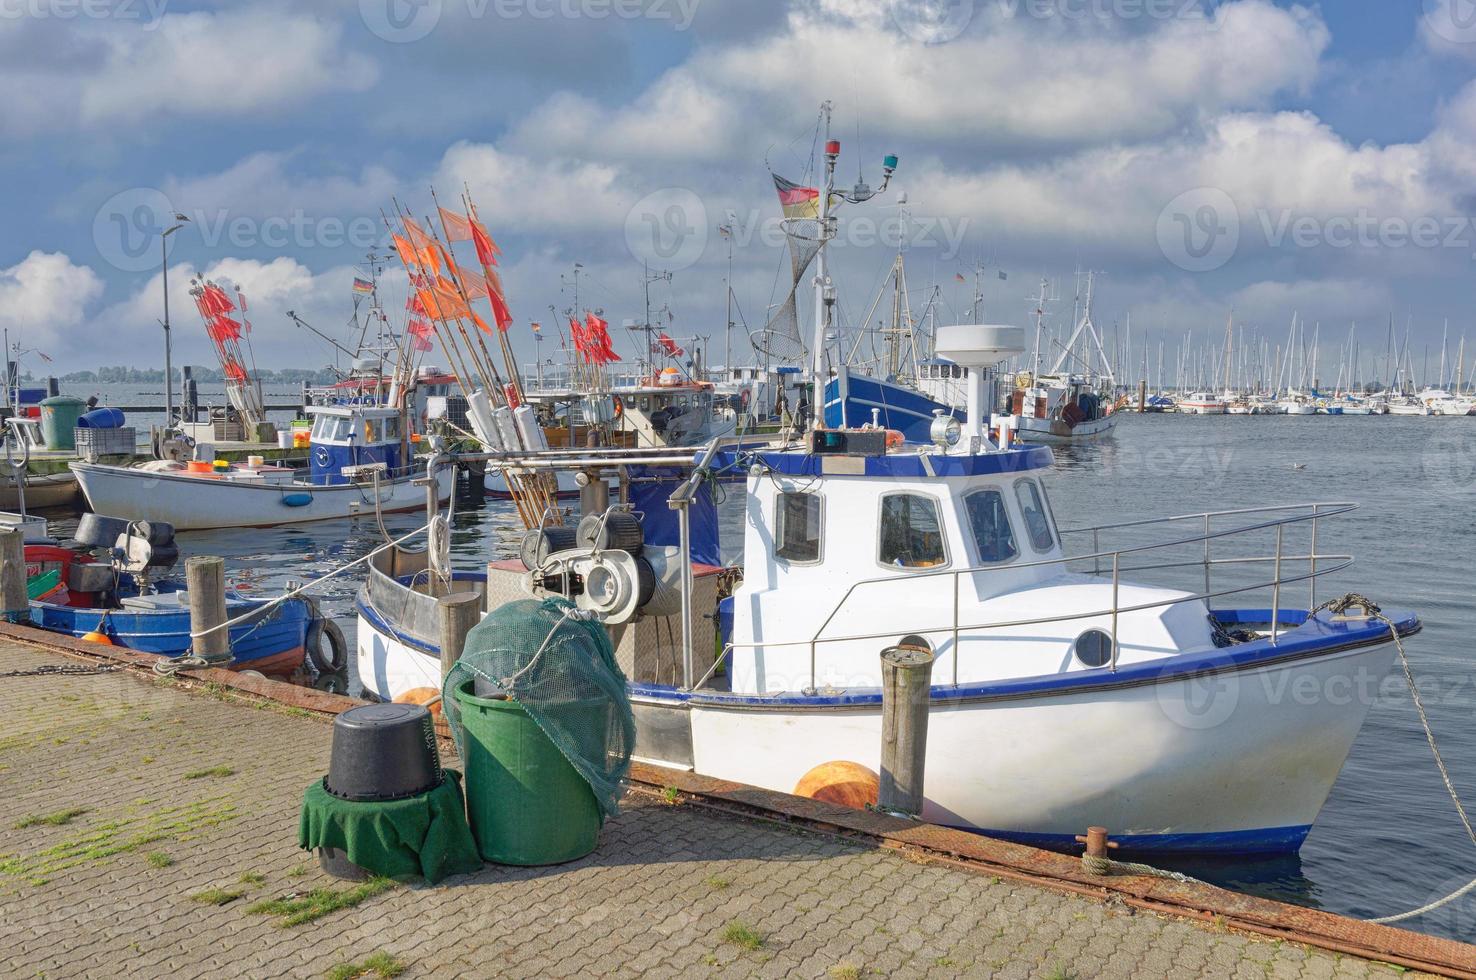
(1037, 522)
(797, 527)
(989, 522)
(911, 532)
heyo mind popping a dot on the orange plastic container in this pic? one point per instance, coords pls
(199, 466)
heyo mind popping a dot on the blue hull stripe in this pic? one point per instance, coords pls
(1270, 840)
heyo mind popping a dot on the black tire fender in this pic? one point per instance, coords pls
(337, 658)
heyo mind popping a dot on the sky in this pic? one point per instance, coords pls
(1243, 157)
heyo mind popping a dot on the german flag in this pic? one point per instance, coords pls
(797, 201)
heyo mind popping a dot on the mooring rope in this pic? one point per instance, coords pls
(1342, 605)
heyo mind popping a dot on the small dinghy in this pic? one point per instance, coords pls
(102, 583)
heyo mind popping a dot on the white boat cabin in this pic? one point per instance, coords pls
(348, 436)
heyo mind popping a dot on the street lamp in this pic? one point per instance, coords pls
(180, 221)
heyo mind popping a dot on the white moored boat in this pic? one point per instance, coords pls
(1062, 694)
(357, 467)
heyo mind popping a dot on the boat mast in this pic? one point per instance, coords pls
(824, 291)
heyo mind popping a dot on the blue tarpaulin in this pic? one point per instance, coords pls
(650, 488)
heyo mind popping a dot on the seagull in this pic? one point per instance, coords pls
(1299, 466)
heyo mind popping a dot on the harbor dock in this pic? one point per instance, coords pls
(149, 829)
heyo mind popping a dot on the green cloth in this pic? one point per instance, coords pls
(424, 835)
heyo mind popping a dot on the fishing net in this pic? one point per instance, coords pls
(559, 666)
(781, 337)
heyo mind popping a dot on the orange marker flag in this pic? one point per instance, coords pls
(473, 283)
(458, 228)
(408, 252)
(486, 248)
(500, 311)
(418, 237)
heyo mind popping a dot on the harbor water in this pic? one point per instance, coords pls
(1388, 839)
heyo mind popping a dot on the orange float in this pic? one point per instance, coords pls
(844, 783)
(428, 696)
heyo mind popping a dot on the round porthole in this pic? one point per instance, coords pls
(1093, 648)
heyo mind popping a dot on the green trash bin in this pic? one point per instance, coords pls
(59, 415)
(527, 805)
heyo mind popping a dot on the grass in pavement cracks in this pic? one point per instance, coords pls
(742, 936)
(382, 965)
(296, 910)
(58, 819)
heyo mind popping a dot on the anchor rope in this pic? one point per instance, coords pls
(1342, 605)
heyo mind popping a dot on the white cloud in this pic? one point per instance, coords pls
(525, 193)
(1009, 83)
(105, 73)
(44, 299)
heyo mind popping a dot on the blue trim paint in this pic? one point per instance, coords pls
(850, 398)
(1316, 638)
(1269, 840)
(1019, 459)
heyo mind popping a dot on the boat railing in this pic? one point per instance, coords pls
(1112, 561)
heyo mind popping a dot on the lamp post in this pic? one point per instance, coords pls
(168, 351)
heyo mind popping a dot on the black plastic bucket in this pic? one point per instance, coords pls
(383, 752)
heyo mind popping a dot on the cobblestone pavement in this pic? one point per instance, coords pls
(156, 797)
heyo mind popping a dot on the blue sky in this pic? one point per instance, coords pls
(1266, 157)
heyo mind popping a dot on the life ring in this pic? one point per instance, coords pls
(337, 659)
(619, 406)
(743, 399)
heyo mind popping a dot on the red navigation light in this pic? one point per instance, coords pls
(832, 148)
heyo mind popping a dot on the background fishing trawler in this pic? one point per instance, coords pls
(359, 459)
(1061, 697)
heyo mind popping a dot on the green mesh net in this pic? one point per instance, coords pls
(559, 666)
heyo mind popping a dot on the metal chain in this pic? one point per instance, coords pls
(50, 670)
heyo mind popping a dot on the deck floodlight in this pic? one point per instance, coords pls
(945, 430)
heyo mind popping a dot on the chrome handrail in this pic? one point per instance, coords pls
(1316, 512)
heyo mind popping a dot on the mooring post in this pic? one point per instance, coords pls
(17, 607)
(1142, 397)
(457, 614)
(205, 582)
(907, 677)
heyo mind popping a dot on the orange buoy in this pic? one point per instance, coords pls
(96, 637)
(428, 696)
(845, 783)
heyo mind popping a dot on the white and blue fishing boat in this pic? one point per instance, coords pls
(359, 463)
(1064, 692)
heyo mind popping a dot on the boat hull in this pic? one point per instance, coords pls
(196, 503)
(1231, 760)
(495, 484)
(1056, 432)
(49, 490)
(274, 644)
(855, 399)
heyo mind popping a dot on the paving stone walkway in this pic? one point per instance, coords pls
(129, 809)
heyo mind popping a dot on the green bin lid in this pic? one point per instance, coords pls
(55, 400)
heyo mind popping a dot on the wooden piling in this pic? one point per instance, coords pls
(907, 677)
(457, 613)
(1142, 397)
(16, 606)
(205, 582)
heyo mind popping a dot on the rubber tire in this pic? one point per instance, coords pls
(338, 660)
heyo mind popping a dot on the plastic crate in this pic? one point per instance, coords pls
(93, 443)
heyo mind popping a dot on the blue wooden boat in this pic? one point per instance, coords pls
(95, 598)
